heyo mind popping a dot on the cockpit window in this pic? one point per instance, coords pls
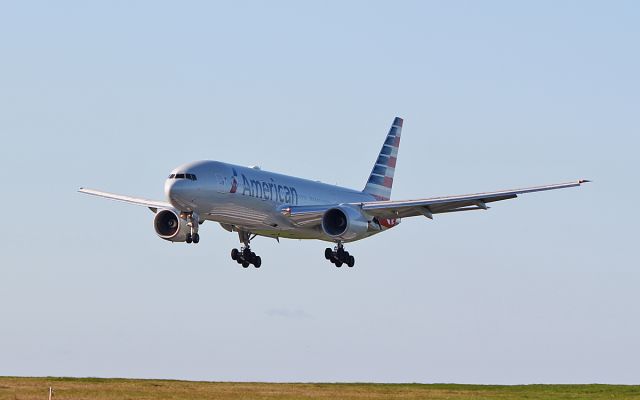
(191, 177)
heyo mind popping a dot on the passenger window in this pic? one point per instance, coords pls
(179, 176)
(171, 176)
(194, 177)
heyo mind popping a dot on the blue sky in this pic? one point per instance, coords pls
(495, 95)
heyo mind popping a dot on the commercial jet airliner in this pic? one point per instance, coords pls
(253, 203)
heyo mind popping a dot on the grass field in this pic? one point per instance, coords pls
(95, 388)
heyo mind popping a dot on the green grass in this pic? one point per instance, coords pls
(98, 388)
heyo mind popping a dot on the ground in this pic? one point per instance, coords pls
(97, 388)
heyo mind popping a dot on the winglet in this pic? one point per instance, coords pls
(581, 181)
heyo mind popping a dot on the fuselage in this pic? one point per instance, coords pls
(251, 199)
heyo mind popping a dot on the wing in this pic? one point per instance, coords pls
(152, 204)
(312, 215)
(437, 205)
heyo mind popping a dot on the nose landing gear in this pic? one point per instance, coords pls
(339, 256)
(192, 236)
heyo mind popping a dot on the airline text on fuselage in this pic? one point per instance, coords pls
(269, 190)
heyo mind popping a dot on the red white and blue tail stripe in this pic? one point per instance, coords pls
(381, 178)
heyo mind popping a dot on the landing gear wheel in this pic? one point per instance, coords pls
(246, 253)
(245, 256)
(338, 256)
(189, 239)
(196, 238)
(351, 261)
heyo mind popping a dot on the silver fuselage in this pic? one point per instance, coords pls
(253, 200)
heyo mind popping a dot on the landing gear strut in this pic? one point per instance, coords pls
(338, 256)
(245, 256)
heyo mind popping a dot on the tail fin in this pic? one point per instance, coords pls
(381, 178)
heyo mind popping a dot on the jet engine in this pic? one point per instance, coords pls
(344, 223)
(171, 226)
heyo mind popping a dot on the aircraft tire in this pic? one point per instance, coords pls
(196, 238)
(234, 254)
(189, 239)
(328, 253)
(257, 262)
(246, 253)
(351, 261)
(245, 264)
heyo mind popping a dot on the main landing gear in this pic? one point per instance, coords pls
(245, 256)
(339, 256)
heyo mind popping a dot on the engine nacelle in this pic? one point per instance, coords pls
(344, 223)
(171, 226)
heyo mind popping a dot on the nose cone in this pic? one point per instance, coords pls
(176, 192)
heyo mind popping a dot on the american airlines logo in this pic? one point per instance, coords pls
(265, 190)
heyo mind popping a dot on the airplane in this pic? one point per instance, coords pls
(253, 202)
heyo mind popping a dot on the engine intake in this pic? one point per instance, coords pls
(170, 226)
(345, 223)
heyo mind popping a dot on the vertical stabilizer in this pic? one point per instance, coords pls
(381, 178)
